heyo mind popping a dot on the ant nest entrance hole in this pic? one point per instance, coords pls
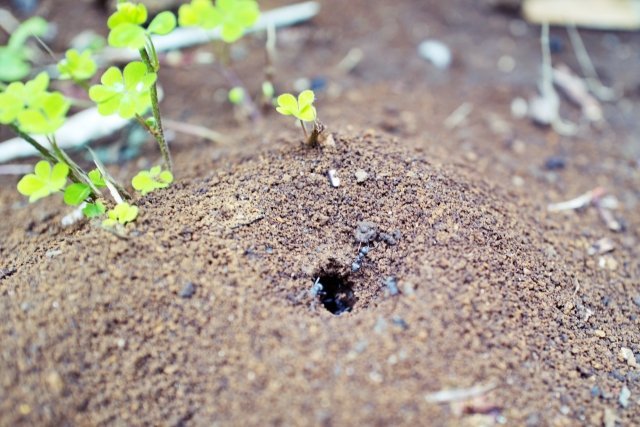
(334, 291)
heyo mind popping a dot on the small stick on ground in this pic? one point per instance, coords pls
(458, 394)
(579, 202)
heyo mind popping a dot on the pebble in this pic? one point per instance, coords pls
(435, 52)
(626, 355)
(555, 163)
(333, 178)
(625, 394)
(392, 285)
(636, 300)
(361, 176)
(600, 333)
(187, 290)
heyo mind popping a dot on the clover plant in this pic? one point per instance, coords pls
(232, 17)
(15, 56)
(153, 179)
(301, 108)
(126, 93)
(122, 214)
(44, 180)
(131, 92)
(79, 67)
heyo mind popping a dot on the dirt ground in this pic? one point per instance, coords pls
(441, 266)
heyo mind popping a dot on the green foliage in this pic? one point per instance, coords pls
(302, 108)
(232, 16)
(236, 95)
(94, 210)
(15, 55)
(97, 179)
(126, 25)
(151, 180)
(125, 93)
(268, 90)
(33, 108)
(77, 66)
(76, 194)
(121, 214)
(44, 181)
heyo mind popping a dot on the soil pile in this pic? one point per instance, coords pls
(221, 307)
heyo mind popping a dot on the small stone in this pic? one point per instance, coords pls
(600, 333)
(55, 383)
(187, 290)
(602, 246)
(595, 391)
(333, 178)
(361, 176)
(435, 52)
(626, 355)
(392, 285)
(555, 163)
(625, 394)
(636, 300)
(609, 418)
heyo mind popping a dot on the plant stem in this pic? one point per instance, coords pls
(159, 134)
(304, 129)
(59, 156)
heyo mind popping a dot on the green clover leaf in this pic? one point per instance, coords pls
(126, 93)
(126, 25)
(302, 108)
(44, 180)
(201, 13)
(147, 181)
(11, 104)
(235, 17)
(76, 194)
(163, 23)
(45, 114)
(128, 13)
(77, 66)
(93, 210)
(121, 214)
(97, 179)
(36, 110)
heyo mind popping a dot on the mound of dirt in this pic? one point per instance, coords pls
(265, 294)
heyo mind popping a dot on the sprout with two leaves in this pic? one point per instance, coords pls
(301, 108)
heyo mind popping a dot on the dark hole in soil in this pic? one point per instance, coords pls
(336, 294)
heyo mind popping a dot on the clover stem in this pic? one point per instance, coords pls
(77, 175)
(304, 129)
(158, 134)
(59, 156)
(43, 151)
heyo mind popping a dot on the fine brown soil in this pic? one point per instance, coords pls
(206, 312)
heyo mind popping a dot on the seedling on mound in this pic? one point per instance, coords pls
(147, 181)
(303, 110)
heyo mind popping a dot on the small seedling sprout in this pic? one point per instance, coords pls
(122, 214)
(147, 181)
(301, 108)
